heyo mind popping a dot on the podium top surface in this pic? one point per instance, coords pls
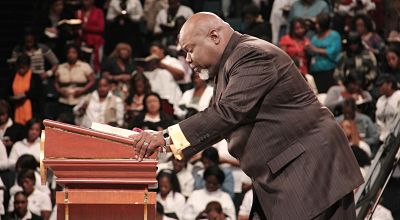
(73, 142)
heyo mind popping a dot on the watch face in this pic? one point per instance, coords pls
(166, 135)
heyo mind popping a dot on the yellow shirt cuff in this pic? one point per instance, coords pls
(179, 141)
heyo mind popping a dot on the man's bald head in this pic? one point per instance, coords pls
(204, 36)
(203, 22)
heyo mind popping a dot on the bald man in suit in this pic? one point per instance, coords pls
(286, 141)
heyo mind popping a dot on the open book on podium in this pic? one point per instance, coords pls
(97, 167)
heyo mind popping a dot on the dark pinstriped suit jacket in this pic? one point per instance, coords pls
(289, 144)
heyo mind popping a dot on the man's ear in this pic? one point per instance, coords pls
(214, 35)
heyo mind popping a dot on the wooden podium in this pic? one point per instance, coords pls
(99, 172)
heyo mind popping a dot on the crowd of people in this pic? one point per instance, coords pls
(118, 62)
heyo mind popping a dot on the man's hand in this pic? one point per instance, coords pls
(146, 142)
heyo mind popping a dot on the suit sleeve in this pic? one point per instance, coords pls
(251, 77)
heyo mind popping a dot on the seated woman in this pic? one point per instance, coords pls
(153, 117)
(24, 162)
(210, 157)
(74, 79)
(197, 202)
(139, 88)
(29, 145)
(364, 25)
(351, 131)
(27, 89)
(196, 99)
(169, 195)
(352, 87)
(118, 68)
(38, 203)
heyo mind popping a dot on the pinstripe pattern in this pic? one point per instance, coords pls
(286, 141)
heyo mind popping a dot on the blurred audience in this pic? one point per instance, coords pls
(124, 16)
(350, 130)
(163, 83)
(198, 200)
(92, 29)
(324, 50)
(253, 23)
(356, 58)
(351, 87)
(169, 20)
(366, 127)
(27, 92)
(39, 54)
(100, 106)
(169, 194)
(295, 42)
(118, 68)
(74, 79)
(213, 211)
(10, 132)
(209, 158)
(388, 105)
(139, 87)
(363, 24)
(196, 99)
(21, 208)
(29, 145)
(153, 117)
(38, 202)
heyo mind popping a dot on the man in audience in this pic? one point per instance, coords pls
(162, 82)
(171, 64)
(100, 106)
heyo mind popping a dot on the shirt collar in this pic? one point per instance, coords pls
(97, 97)
(9, 123)
(25, 141)
(27, 216)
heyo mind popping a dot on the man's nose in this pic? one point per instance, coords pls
(188, 58)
